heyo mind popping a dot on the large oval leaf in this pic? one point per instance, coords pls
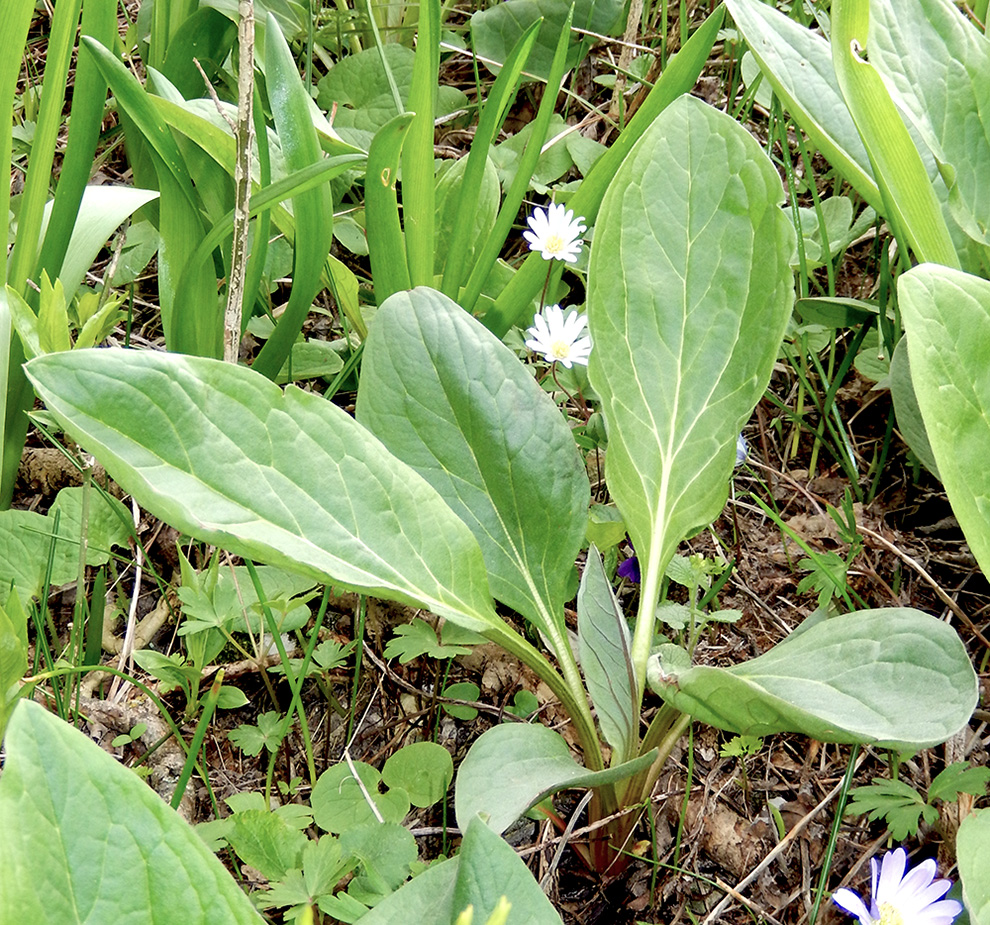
(511, 767)
(798, 64)
(893, 676)
(935, 61)
(451, 400)
(689, 291)
(85, 840)
(224, 455)
(948, 330)
(973, 848)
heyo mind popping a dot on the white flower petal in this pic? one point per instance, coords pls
(850, 901)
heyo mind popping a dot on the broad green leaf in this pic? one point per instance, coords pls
(489, 870)
(515, 303)
(512, 767)
(26, 539)
(496, 30)
(894, 677)
(973, 849)
(605, 645)
(13, 656)
(357, 86)
(341, 800)
(266, 842)
(303, 486)
(448, 398)
(107, 848)
(386, 851)
(798, 64)
(948, 331)
(935, 61)
(689, 292)
(423, 769)
(485, 869)
(909, 200)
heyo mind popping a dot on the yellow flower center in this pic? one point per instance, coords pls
(555, 243)
(560, 349)
(889, 915)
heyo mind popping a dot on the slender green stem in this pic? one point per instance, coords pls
(209, 707)
(295, 681)
(834, 834)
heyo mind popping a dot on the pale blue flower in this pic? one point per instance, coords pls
(742, 450)
(900, 896)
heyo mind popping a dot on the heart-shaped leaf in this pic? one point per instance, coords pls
(288, 478)
(106, 848)
(894, 676)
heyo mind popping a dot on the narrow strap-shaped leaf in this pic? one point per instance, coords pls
(527, 164)
(58, 58)
(605, 644)
(418, 185)
(313, 210)
(99, 20)
(910, 203)
(15, 18)
(386, 249)
(491, 120)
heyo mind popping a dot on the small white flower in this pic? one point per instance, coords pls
(556, 233)
(559, 338)
(901, 897)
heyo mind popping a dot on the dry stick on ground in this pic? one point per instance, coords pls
(625, 57)
(942, 596)
(242, 183)
(243, 130)
(781, 846)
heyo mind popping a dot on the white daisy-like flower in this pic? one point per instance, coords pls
(900, 896)
(561, 339)
(556, 233)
